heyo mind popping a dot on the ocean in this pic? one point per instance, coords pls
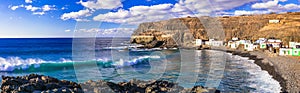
(110, 59)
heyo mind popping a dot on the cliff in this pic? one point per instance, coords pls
(184, 31)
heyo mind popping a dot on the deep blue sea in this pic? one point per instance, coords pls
(83, 59)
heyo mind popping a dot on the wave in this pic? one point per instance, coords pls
(16, 64)
(259, 79)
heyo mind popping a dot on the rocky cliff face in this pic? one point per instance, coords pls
(185, 30)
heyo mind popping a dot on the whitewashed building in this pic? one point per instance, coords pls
(294, 45)
(285, 51)
(274, 21)
(249, 47)
(213, 42)
(274, 42)
(232, 44)
(199, 42)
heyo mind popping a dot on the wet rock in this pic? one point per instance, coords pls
(44, 84)
(37, 83)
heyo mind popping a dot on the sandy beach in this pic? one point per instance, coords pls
(284, 69)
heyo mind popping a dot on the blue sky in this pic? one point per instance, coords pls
(106, 18)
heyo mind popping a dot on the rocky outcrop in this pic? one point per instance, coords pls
(185, 30)
(34, 83)
(182, 31)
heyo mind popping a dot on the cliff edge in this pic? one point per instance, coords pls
(182, 32)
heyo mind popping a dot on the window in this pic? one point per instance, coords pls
(297, 46)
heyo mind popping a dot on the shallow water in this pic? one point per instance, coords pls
(55, 57)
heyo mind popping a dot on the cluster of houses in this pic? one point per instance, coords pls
(272, 45)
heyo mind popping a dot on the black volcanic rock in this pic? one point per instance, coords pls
(34, 83)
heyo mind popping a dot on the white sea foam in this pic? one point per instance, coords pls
(133, 61)
(12, 63)
(259, 79)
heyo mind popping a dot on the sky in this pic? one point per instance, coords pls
(116, 18)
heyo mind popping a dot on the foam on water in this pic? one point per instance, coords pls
(134, 61)
(259, 79)
(12, 63)
(16, 63)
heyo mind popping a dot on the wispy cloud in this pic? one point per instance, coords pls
(101, 4)
(76, 15)
(109, 32)
(28, 1)
(35, 10)
(68, 30)
(183, 8)
(269, 6)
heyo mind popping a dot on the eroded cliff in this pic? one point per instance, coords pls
(184, 31)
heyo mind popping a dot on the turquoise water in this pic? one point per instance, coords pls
(108, 59)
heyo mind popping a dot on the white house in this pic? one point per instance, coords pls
(232, 44)
(261, 40)
(274, 21)
(199, 42)
(213, 42)
(294, 45)
(285, 51)
(217, 43)
(274, 42)
(250, 47)
(235, 38)
(244, 42)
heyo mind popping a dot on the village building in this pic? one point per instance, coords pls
(293, 50)
(296, 52)
(199, 42)
(232, 44)
(294, 45)
(274, 21)
(255, 46)
(213, 42)
(285, 51)
(249, 47)
(275, 43)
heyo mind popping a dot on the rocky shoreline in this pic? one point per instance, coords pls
(34, 83)
(268, 66)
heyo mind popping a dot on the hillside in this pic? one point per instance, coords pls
(185, 30)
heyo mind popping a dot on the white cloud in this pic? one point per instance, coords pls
(184, 8)
(116, 32)
(31, 8)
(101, 4)
(265, 5)
(28, 1)
(76, 15)
(38, 13)
(35, 10)
(15, 7)
(206, 7)
(64, 8)
(82, 20)
(274, 6)
(244, 12)
(68, 30)
(291, 6)
(137, 14)
(48, 7)
(109, 32)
